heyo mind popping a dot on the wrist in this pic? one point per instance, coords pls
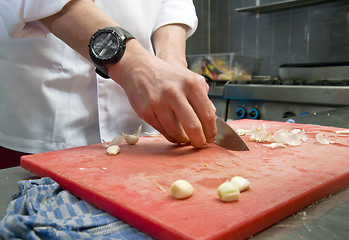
(173, 58)
(126, 63)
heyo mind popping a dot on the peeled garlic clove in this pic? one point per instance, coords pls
(228, 191)
(113, 150)
(181, 189)
(243, 183)
(132, 139)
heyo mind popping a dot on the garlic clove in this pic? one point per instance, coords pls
(243, 183)
(113, 150)
(132, 139)
(228, 191)
(181, 189)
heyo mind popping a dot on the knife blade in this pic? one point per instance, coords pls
(227, 138)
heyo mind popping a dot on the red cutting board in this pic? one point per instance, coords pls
(135, 185)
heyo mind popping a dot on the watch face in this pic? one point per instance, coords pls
(105, 45)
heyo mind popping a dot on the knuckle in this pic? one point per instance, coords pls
(193, 128)
(169, 93)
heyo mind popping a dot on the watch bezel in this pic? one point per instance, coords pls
(102, 64)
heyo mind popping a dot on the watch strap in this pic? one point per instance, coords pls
(121, 31)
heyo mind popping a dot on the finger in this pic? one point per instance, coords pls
(155, 123)
(190, 122)
(171, 125)
(205, 111)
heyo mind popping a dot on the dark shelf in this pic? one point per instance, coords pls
(279, 5)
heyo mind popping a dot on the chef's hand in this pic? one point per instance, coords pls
(171, 98)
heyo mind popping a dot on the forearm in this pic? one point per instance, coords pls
(169, 43)
(77, 22)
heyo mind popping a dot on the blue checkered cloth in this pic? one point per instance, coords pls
(43, 210)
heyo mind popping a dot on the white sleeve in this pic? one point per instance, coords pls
(177, 11)
(19, 17)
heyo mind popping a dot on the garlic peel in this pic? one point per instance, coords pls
(283, 136)
(132, 139)
(181, 189)
(259, 134)
(321, 139)
(116, 141)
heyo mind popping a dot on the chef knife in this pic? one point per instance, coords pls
(227, 138)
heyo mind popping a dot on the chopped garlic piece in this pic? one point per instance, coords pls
(242, 131)
(113, 150)
(243, 183)
(321, 139)
(228, 191)
(181, 189)
(275, 145)
(343, 131)
(132, 139)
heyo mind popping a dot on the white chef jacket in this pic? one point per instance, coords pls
(50, 96)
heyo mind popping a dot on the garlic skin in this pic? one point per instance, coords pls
(113, 150)
(116, 141)
(132, 139)
(181, 189)
(321, 139)
(243, 183)
(228, 191)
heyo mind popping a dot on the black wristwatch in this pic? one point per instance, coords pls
(106, 47)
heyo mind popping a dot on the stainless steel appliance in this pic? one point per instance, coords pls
(300, 89)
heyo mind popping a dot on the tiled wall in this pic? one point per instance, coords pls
(313, 33)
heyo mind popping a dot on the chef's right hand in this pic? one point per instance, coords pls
(171, 98)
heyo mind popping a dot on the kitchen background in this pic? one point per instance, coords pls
(316, 32)
(311, 33)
